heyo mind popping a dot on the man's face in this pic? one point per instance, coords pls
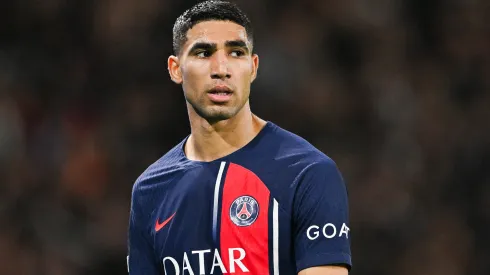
(215, 68)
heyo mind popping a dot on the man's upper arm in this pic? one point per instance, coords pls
(321, 221)
(141, 257)
(324, 270)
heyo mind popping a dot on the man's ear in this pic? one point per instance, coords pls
(174, 69)
(255, 66)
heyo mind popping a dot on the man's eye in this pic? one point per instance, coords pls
(237, 53)
(202, 54)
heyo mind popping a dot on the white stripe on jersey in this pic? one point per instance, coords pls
(275, 236)
(216, 195)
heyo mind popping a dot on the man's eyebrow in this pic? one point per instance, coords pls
(203, 46)
(236, 44)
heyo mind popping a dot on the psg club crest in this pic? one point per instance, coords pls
(244, 211)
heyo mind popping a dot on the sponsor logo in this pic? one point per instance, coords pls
(236, 256)
(328, 231)
(244, 211)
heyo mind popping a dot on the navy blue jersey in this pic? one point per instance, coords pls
(276, 206)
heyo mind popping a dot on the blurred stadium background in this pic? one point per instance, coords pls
(395, 91)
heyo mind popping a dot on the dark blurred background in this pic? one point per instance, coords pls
(395, 91)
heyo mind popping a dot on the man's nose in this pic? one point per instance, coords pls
(219, 68)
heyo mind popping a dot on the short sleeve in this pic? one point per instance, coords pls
(141, 258)
(321, 218)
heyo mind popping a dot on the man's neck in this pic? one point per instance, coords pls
(209, 142)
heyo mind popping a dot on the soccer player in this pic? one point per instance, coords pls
(238, 195)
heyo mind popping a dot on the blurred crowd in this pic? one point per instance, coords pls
(395, 91)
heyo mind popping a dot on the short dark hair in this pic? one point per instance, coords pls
(207, 11)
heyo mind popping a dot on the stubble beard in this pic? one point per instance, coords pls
(215, 112)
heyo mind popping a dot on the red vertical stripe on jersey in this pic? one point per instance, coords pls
(253, 239)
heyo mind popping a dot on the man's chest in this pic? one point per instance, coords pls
(216, 221)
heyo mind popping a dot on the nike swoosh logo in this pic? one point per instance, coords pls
(159, 226)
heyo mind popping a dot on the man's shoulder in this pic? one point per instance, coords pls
(164, 169)
(294, 161)
(294, 147)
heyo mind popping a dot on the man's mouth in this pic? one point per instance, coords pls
(220, 91)
(220, 94)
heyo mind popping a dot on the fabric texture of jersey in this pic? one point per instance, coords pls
(276, 206)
